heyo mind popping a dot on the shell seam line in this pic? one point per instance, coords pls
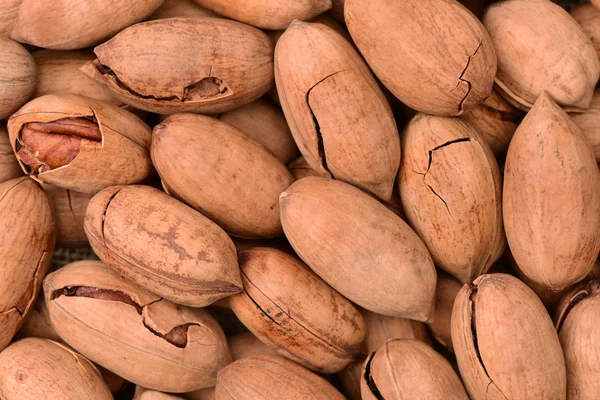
(460, 78)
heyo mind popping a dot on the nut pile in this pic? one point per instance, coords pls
(304, 200)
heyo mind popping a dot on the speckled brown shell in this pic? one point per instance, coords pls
(235, 181)
(264, 122)
(267, 378)
(551, 181)
(505, 343)
(122, 157)
(547, 53)
(185, 65)
(576, 321)
(588, 17)
(299, 168)
(33, 369)
(76, 25)
(339, 116)
(162, 245)
(267, 14)
(405, 368)
(450, 186)
(435, 56)
(26, 246)
(129, 338)
(348, 236)
(289, 307)
(58, 72)
(17, 76)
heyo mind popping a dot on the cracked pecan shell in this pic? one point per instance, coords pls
(505, 343)
(9, 166)
(547, 53)
(381, 328)
(288, 306)
(409, 369)
(162, 245)
(204, 65)
(132, 332)
(235, 181)
(435, 56)
(26, 245)
(268, 377)
(359, 247)
(33, 369)
(76, 25)
(339, 116)
(576, 321)
(267, 14)
(551, 181)
(81, 144)
(450, 186)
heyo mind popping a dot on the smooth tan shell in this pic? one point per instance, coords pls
(75, 25)
(142, 393)
(162, 245)
(58, 72)
(547, 53)
(495, 120)
(69, 211)
(289, 307)
(409, 369)
(267, 14)
(17, 76)
(339, 116)
(505, 344)
(381, 328)
(551, 181)
(160, 66)
(202, 394)
(181, 9)
(358, 246)
(33, 369)
(247, 345)
(26, 244)
(588, 17)
(451, 191)
(9, 166)
(268, 377)
(445, 292)
(264, 122)
(577, 325)
(121, 158)
(114, 335)
(235, 181)
(435, 56)
(589, 122)
(299, 169)
(8, 16)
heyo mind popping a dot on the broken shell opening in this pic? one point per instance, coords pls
(369, 379)
(177, 336)
(592, 288)
(207, 88)
(44, 146)
(472, 300)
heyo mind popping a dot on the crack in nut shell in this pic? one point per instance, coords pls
(43, 146)
(176, 336)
